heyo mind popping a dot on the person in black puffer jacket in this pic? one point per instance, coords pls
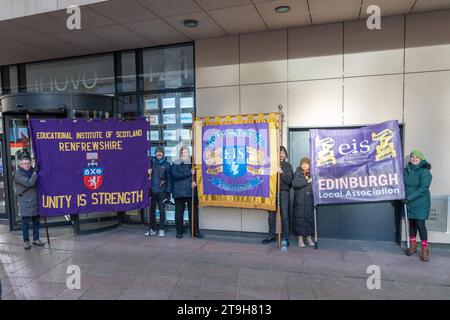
(182, 188)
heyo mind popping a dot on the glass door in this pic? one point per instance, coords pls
(3, 212)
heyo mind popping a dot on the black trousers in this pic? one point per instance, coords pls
(284, 213)
(418, 225)
(157, 199)
(180, 205)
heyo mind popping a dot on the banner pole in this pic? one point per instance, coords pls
(147, 116)
(280, 137)
(193, 178)
(46, 230)
(315, 228)
(407, 226)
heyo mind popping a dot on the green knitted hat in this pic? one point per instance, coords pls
(418, 154)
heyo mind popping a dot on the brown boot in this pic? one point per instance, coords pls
(412, 249)
(425, 256)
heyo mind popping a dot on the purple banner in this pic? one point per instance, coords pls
(357, 165)
(91, 165)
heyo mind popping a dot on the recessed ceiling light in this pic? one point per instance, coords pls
(190, 23)
(282, 9)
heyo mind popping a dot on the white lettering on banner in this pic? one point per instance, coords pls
(359, 182)
(358, 193)
(61, 81)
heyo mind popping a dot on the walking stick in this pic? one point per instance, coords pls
(407, 226)
(315, 228)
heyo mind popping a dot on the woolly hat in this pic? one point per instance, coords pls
(418, 154)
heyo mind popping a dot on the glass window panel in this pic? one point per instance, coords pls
(168, 68)
(88, 75)
(127, 107)
(13, 82)
(128, 72)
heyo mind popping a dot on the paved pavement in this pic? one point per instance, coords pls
(123, 264)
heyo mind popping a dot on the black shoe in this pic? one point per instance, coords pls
(269, 239)
(179, 236)
(198, 235)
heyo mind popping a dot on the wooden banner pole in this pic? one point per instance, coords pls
(280, 137)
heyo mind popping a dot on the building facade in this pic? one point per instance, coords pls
(333, 74)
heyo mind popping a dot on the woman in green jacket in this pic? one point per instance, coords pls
(417, 179)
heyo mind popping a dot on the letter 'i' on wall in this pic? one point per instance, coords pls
(73, 21)
(374, 20)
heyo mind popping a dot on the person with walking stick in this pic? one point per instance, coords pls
(417, 178)
(25, 180)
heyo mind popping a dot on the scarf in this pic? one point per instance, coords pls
(28, 173)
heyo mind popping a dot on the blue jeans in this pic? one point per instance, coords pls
(25, 228)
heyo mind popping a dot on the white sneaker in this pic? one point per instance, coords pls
(301, 244)
(151, 232)
(310, 241)
(162, 233)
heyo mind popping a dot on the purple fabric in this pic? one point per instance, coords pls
(96, 180)
(345, 167)
(232, 143)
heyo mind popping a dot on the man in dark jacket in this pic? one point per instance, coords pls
(417, 178)
(182, 188)
(25, 179)
(286, 176)
(160, 187)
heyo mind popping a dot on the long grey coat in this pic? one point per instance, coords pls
(28, 202)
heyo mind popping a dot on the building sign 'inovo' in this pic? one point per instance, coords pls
(357, 165)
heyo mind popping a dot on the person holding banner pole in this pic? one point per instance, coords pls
(286, 175)
(183, 189)
(25, 180)
(417, 178)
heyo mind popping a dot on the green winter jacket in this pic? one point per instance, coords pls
(417, 186)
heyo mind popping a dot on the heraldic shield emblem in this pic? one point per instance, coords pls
(92, 174)
(235, 161)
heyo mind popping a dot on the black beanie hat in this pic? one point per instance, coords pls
(282, 148)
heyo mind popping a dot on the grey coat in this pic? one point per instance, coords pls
(28, 200)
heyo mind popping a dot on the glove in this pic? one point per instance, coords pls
(36, 168)
(404, 201)
(166, 200)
